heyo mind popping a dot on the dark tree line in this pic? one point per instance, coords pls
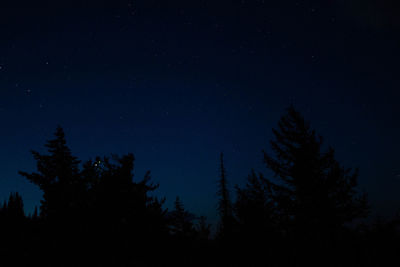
(307, 213)
(98, 213)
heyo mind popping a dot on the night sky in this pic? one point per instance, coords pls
(178, 82)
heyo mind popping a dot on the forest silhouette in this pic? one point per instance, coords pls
(96, 213)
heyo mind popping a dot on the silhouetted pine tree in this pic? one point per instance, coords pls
(315, 196)
(122, 210)
(224, 204)
(63, 207)
(13, 209)
(12, 223)
(254, 207)
(115, 194)
(182, 225)
(58, 177)
(258, 229)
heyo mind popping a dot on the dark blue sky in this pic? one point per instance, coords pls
(177, 82)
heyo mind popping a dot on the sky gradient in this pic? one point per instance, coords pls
(177, 83)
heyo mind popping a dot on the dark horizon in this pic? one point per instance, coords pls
(96, 213)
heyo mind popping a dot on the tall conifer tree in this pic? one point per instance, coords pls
(312, 190)
(58, 177)
(224, 204)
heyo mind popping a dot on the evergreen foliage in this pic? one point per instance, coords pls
(224, 203)
(182, 221)
(98, 213)
(313, 190)
(58, 177)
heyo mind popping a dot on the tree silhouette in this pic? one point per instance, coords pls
(13, 225)
(315, 196)
(254, 207)
(182, 225)
(257, 221)
(58, 178)
(99, 214)
(13, 209)
(122, 210)
(224, 204)
(117, 196)
(98, 209)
